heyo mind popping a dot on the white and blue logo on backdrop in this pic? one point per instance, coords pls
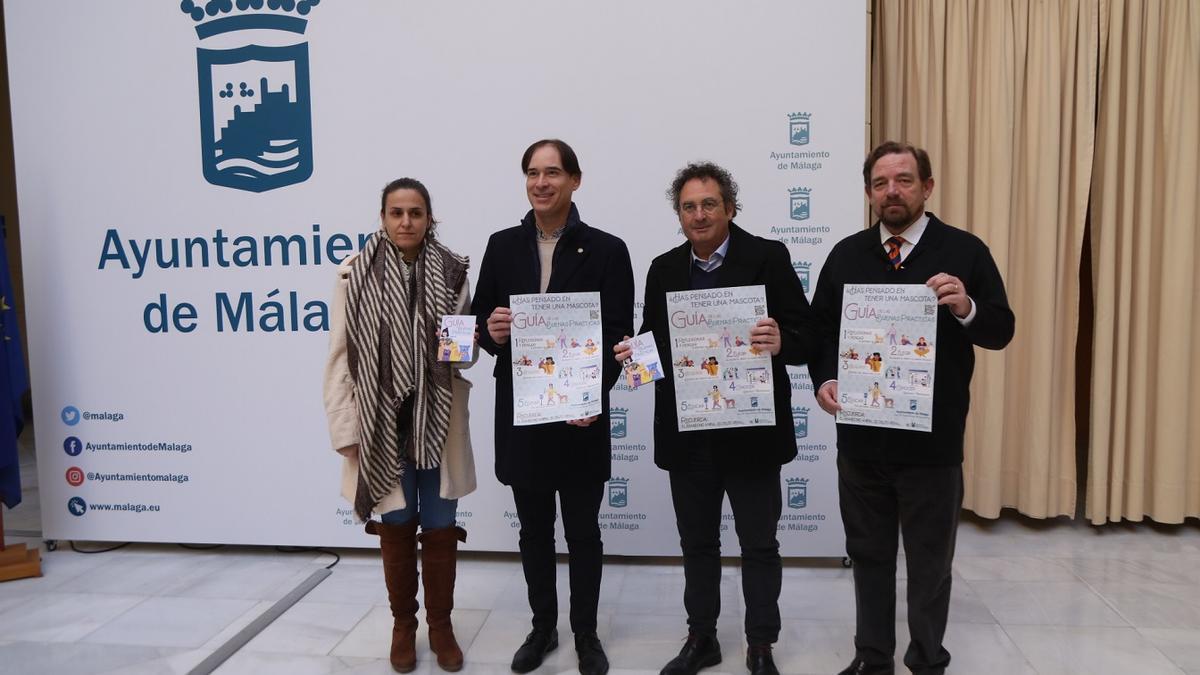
(618, 492)
(255, 116)
(618, 422)
(797, 493)
(798, 129)
(800, 421)
(800, 202)
(802, 268)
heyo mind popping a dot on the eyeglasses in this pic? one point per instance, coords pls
(708, 206)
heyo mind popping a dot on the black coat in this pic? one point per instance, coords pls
(749, 261)
(860, 259)
(585, 259)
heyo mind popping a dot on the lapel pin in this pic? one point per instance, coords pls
(579, 250)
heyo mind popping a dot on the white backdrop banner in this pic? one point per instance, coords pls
(188, 181)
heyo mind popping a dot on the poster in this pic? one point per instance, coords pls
(456, 339)
(644, 365)
(721, 380)
(556, 350)
(886, 354)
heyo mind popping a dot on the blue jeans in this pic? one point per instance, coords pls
(421, 498)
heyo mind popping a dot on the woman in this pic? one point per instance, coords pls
(399, 416)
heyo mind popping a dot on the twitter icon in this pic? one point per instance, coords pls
(70, 415)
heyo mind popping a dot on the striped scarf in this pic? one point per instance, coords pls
(402, 391)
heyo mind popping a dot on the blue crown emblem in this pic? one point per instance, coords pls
(802, 270)
(798, 128)
(618, 422)
(800, 422)
(618, 492)
(797, 493)
(255, 111)
(800, 202)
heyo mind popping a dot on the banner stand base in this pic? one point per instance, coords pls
(18, 562)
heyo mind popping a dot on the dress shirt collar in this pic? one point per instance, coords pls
(714, 261)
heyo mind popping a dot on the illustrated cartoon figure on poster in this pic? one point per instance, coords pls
(448, 347)
(522, 360)
(636, 374)
(652, 369)
(551, 395)
(685, 361)
(715, 397)
(922, 347)
(875, 393)
(904, 340)
(562, 339)
(710, 366)
(632, 374)
(589, 347)
(726, 337)
(891, 334)
(739, 341)
(574, 343)
(547, 365)
(874, 362)
(850, 354)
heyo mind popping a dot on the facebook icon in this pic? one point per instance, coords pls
(72, 446)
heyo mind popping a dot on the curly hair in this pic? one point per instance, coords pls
(705, 171)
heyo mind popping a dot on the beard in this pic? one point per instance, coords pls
(896, 219)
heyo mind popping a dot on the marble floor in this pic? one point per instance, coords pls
(1029, 597)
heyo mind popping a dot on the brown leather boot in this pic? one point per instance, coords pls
(398, 544)
(439, 558)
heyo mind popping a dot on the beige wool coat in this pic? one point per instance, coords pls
(458, 462)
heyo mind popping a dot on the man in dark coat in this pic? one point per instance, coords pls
(553, 251)
(893, 480)
(743, 462)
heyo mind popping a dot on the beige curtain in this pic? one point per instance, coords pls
(1002, 95)
(1145, 425)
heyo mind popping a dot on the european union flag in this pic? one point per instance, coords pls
(13, 383)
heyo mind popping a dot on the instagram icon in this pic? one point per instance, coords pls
(75, 476)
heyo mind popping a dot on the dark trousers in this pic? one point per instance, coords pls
(756, 500)
(879, 501)
(580, 514)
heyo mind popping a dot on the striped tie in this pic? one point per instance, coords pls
(893, 250)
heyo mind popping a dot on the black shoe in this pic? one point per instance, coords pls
(860, 667)
(700, 651)
(592, 660)
(537, 645)
(759, 661)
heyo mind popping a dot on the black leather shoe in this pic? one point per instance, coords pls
(700, 651)
(861, 667)
(759, 660)
(537, 645)
(592, 660)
